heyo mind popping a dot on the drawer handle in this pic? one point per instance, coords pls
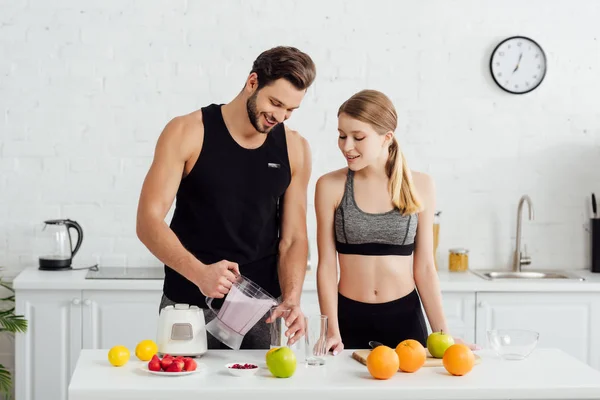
(87, 302)
(76, 301)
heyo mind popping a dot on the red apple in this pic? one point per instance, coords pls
(154, 364)
(189, 364)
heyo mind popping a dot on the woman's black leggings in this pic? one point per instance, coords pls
(387, 323)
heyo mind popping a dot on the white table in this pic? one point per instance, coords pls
(546, 374)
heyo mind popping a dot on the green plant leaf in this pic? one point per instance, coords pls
(5, 380)
(13, 323)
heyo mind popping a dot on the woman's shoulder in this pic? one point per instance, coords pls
(333, 178)
(331, 185)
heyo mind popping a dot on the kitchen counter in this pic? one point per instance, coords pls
(33, 278)
(546, 374)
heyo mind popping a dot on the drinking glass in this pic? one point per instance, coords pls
(277, 327)
(316, 339)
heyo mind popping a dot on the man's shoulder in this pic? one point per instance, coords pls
(298, 151)
(185, 127)
(294, 138)
(192, 120)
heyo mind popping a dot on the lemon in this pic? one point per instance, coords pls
(118, 356)
(145, 350)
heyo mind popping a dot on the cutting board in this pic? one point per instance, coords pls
(361, 357)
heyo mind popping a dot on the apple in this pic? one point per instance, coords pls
(438, 342)
(189, 364)
(154, 363)
(281, 362)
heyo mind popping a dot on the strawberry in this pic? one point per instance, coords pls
(173, 368)
(176, 366)
(154, 364)
(189, 364)
(166, 362)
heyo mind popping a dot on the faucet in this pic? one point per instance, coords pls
(519, 257)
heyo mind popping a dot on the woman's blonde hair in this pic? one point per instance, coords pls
(377, 110)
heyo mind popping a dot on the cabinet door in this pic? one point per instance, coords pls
(459, 309)
(117, 317)
(45, 356)
(568, 321)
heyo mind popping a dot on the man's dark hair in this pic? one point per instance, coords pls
(284, 62)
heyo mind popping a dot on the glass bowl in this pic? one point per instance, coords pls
(513, 344)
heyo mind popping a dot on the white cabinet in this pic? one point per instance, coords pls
(45, 356)
(459, 309)
(568, 321)
(117, 317)
(62, 322)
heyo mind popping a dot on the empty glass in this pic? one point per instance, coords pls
(277, 327)
(316, 339)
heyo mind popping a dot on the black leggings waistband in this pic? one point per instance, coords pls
(388, 323)
(405, 303)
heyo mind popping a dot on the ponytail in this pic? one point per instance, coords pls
(400, 184)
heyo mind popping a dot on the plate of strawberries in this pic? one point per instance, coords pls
(170, 365)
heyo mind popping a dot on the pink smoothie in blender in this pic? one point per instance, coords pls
(245, 304)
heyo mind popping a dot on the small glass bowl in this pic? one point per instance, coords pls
(513, 344)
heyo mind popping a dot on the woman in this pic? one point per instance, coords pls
(377, 215)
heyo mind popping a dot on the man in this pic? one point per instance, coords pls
(240, 177)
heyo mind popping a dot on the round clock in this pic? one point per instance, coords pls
(518, 64)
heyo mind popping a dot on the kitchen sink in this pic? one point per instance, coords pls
(497, 274)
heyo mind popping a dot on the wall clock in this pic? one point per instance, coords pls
(518, 65)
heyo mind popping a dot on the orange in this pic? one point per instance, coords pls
(383, 362)
(411, 354)
(458, 359)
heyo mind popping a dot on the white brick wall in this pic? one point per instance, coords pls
(86, 88)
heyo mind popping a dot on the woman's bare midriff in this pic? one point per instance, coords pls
(375, 279)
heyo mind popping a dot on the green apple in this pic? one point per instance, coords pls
(438, 342)
(281, 362)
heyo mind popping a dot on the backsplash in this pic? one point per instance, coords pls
(86, 88)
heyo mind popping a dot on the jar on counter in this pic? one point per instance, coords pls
(458, 260)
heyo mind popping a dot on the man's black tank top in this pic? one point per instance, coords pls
(228, 207)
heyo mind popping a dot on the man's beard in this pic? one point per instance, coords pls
(253, 114)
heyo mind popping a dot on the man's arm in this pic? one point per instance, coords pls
(173, 149)
(293, 245)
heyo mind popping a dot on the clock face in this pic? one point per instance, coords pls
(518, 65)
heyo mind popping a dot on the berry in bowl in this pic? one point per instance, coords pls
(242, 369)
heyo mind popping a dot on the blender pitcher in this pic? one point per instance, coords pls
(244, 305)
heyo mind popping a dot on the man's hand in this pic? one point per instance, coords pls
(294, 320)
(216, 279)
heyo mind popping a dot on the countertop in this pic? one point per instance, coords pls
(34, 279)
(546, 374)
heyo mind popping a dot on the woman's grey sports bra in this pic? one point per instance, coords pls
(359, 232)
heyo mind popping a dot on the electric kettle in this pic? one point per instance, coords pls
(58, 249)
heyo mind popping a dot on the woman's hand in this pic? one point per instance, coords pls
(334, 344)
(472, 346)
